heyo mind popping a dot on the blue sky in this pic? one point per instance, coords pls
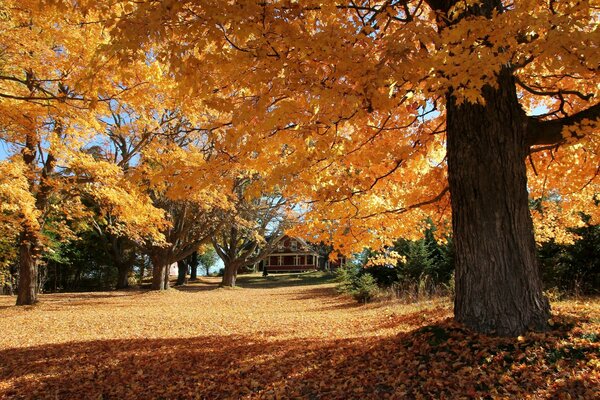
(3, 150)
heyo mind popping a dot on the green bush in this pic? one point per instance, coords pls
(426, 269)
(354, 281)
(346, 276)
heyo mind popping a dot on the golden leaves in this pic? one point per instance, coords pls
(17, 204)
(318, 101)
(269, 341)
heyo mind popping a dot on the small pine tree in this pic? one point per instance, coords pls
(365, 288)
(357, 282)
(419, 261)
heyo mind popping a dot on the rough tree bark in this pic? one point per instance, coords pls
(498, 285)
(230, 274)
(29, 241)
(160, 271)
(167, 275)
(27, 293)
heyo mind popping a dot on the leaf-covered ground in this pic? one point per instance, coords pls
(282, 338)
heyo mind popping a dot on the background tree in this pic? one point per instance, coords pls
(573, 267)
(129, 130)
(194, 262)
(251, 232)
(190, 227)
(184, 178)
(208, 259)
(122, 250)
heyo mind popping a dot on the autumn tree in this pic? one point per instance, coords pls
(123, 252)
(251, 231)
(54, 92)
(129, 129)
(380, 113)
(173, 170)
(194, 263)
(205, 258)
(189, 228)
(16, 205)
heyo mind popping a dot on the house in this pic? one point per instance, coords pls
(293, 254)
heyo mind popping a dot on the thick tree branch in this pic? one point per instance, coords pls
(549, 132)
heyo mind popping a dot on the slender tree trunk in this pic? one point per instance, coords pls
(167, 276)
(498, 286)
(42, 269)
(160, 273)
(194, 267)
(123, 255)
(55, 277)
(181, 272)
(28, 268)
(142, 270)
(229, 275)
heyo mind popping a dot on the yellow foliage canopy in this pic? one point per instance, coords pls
(339, 105)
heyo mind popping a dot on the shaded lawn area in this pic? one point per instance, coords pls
(278, 341)
(276, 280)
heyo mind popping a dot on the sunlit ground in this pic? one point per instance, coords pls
(282, 337)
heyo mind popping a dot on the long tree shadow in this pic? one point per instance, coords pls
(328, 298)
(316, 293)
(198, 286)
(436, 361)
(283, 280)
(57, 301)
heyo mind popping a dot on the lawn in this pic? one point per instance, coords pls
(282, 337)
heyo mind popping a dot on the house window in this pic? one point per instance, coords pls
(309, 260)
(294, 245)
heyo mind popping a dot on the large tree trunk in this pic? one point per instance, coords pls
(142, 271)
(498, 286)
(28, 268)
(160, 273)
(229, 275)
